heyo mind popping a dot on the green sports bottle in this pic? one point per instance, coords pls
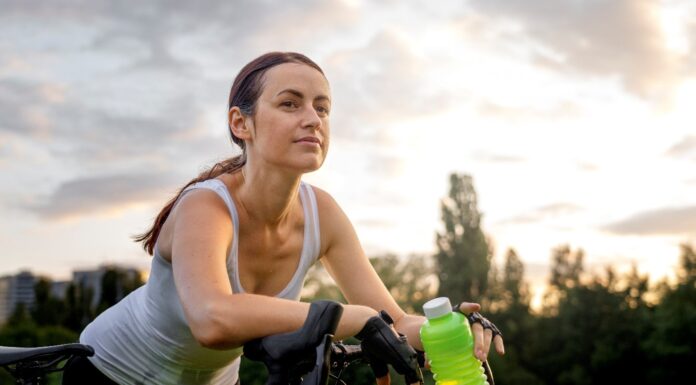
(449, 345)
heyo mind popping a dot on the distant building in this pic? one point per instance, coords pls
(59, 289)
(19, 288)
(90, 279)
(16, 289)
(5, 308)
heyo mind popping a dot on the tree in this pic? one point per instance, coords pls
(510, 312)
(671, 346)
(78, 301)
(411, 281)
(116, 283)
(566, 270)
(463, 258)
(515, 289)
(47, 309)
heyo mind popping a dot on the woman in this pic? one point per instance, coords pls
(232, 248)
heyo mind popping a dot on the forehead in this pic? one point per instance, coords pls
(300, 77)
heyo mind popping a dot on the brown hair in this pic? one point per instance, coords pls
(245, 92)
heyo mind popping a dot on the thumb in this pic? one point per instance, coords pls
(384, 380)
(469, 307)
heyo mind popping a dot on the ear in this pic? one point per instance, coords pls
(240, 124)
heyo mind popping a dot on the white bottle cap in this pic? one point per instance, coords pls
(437, 307)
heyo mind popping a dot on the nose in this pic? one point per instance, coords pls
(311, 118)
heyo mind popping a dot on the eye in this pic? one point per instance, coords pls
(289, 104)
(322, 110)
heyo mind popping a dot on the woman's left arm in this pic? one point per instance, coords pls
(345, 260)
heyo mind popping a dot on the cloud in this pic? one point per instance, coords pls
(179, 36)
(665, 221)
(380, 83)
(75, 130)
(138, 82)
(6, 150)
(686, 148)
(499, 158)
(563, 110)
(104, 195)
(588, 167)
(621, 38)
(543, 213)
(23, 107)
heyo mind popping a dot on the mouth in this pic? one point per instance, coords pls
(309, 139)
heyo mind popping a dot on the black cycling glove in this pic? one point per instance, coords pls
(381, 345)
(476, 317)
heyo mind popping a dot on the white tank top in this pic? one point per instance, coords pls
(145, 338)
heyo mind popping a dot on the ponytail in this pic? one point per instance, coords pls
(227, 166)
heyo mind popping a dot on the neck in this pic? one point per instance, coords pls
(267, 194)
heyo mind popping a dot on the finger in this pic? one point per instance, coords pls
(487, 337)
(469, 307)
(499, 345)
(384, 380)
(394, 330)
(477, 330)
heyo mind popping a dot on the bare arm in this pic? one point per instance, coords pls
(347, 263)
(217, 317)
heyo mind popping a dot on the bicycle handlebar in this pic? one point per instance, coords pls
(306, 356)
(289, 356)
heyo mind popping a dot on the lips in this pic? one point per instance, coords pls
(309, 139)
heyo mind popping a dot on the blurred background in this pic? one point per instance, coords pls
(538, 157)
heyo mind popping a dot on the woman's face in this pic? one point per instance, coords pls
(291, 121)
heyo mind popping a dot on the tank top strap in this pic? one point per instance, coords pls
(220, 189)
(312, 236)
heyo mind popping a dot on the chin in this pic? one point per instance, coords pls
(309, 169)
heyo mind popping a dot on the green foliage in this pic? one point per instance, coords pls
(53, 321)
(252, 372)
(29, 334)
(47, 310)
(410, 281)
(672, 345)
(463, 258)
(117, 283)
(566, 270)
(318, 285)
(78, 300)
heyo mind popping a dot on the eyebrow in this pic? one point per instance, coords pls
(300, 95)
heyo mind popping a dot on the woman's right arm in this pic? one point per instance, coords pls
(218, 318)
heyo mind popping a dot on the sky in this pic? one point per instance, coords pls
(574, 118)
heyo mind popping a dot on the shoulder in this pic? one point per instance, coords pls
(326, 204)
(201, 205)
(333, 222)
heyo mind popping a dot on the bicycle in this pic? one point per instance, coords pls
(29, 366)
(307, 356)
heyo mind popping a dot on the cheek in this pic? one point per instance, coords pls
(327, 135)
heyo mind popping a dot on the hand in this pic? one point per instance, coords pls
(484, 331)
(382, 345)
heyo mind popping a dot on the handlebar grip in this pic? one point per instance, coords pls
(294, 354)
